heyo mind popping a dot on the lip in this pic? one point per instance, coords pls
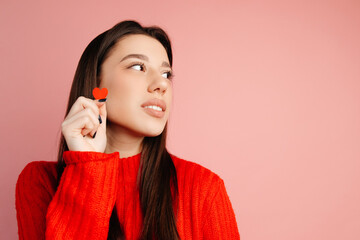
(154, 113)
(155, 102)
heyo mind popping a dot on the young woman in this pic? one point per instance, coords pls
(114, 178)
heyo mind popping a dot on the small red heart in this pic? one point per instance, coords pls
(100, 94)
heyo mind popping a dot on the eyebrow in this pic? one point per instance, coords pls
(145, 58)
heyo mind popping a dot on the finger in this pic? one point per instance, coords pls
(83, 103)
(95, 121)
(83, 122)
(102, 111)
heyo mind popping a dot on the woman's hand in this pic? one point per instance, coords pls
(81, 124)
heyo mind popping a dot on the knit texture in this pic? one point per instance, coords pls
(92, 183)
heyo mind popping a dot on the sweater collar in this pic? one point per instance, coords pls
(130, 158)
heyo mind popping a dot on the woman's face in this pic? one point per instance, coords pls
(137, 71)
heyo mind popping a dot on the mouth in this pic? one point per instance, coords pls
(155, 107)
(155, 104)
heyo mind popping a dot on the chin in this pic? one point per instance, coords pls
(153, 131)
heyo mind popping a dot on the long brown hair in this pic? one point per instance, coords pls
(157, 181)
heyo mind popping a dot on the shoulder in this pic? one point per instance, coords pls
(198, 186)
(37, 176)
(194, 173)
(193, 167)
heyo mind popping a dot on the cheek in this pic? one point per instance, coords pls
(125, 94)
(121, 86)
(170, 96)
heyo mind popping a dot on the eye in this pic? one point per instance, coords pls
(138, 66)
(167, 75)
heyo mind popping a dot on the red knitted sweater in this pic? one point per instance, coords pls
(92, 183)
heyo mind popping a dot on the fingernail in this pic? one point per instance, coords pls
(100, 119)
(94, 134)
(102, 100)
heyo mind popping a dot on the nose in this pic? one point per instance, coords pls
(158, 83)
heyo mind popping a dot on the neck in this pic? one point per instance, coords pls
(122, 140)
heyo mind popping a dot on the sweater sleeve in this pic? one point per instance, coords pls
(34, 190)
(220, 222)
(82, 204)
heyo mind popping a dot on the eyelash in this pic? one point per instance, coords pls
(142, 65)
(138, 63)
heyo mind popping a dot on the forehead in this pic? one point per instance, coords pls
(141, 44)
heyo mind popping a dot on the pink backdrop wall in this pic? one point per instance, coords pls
(267, 95)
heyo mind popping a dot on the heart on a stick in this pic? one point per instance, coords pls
(100, 93)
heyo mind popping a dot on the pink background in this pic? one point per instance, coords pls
(267, 95)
